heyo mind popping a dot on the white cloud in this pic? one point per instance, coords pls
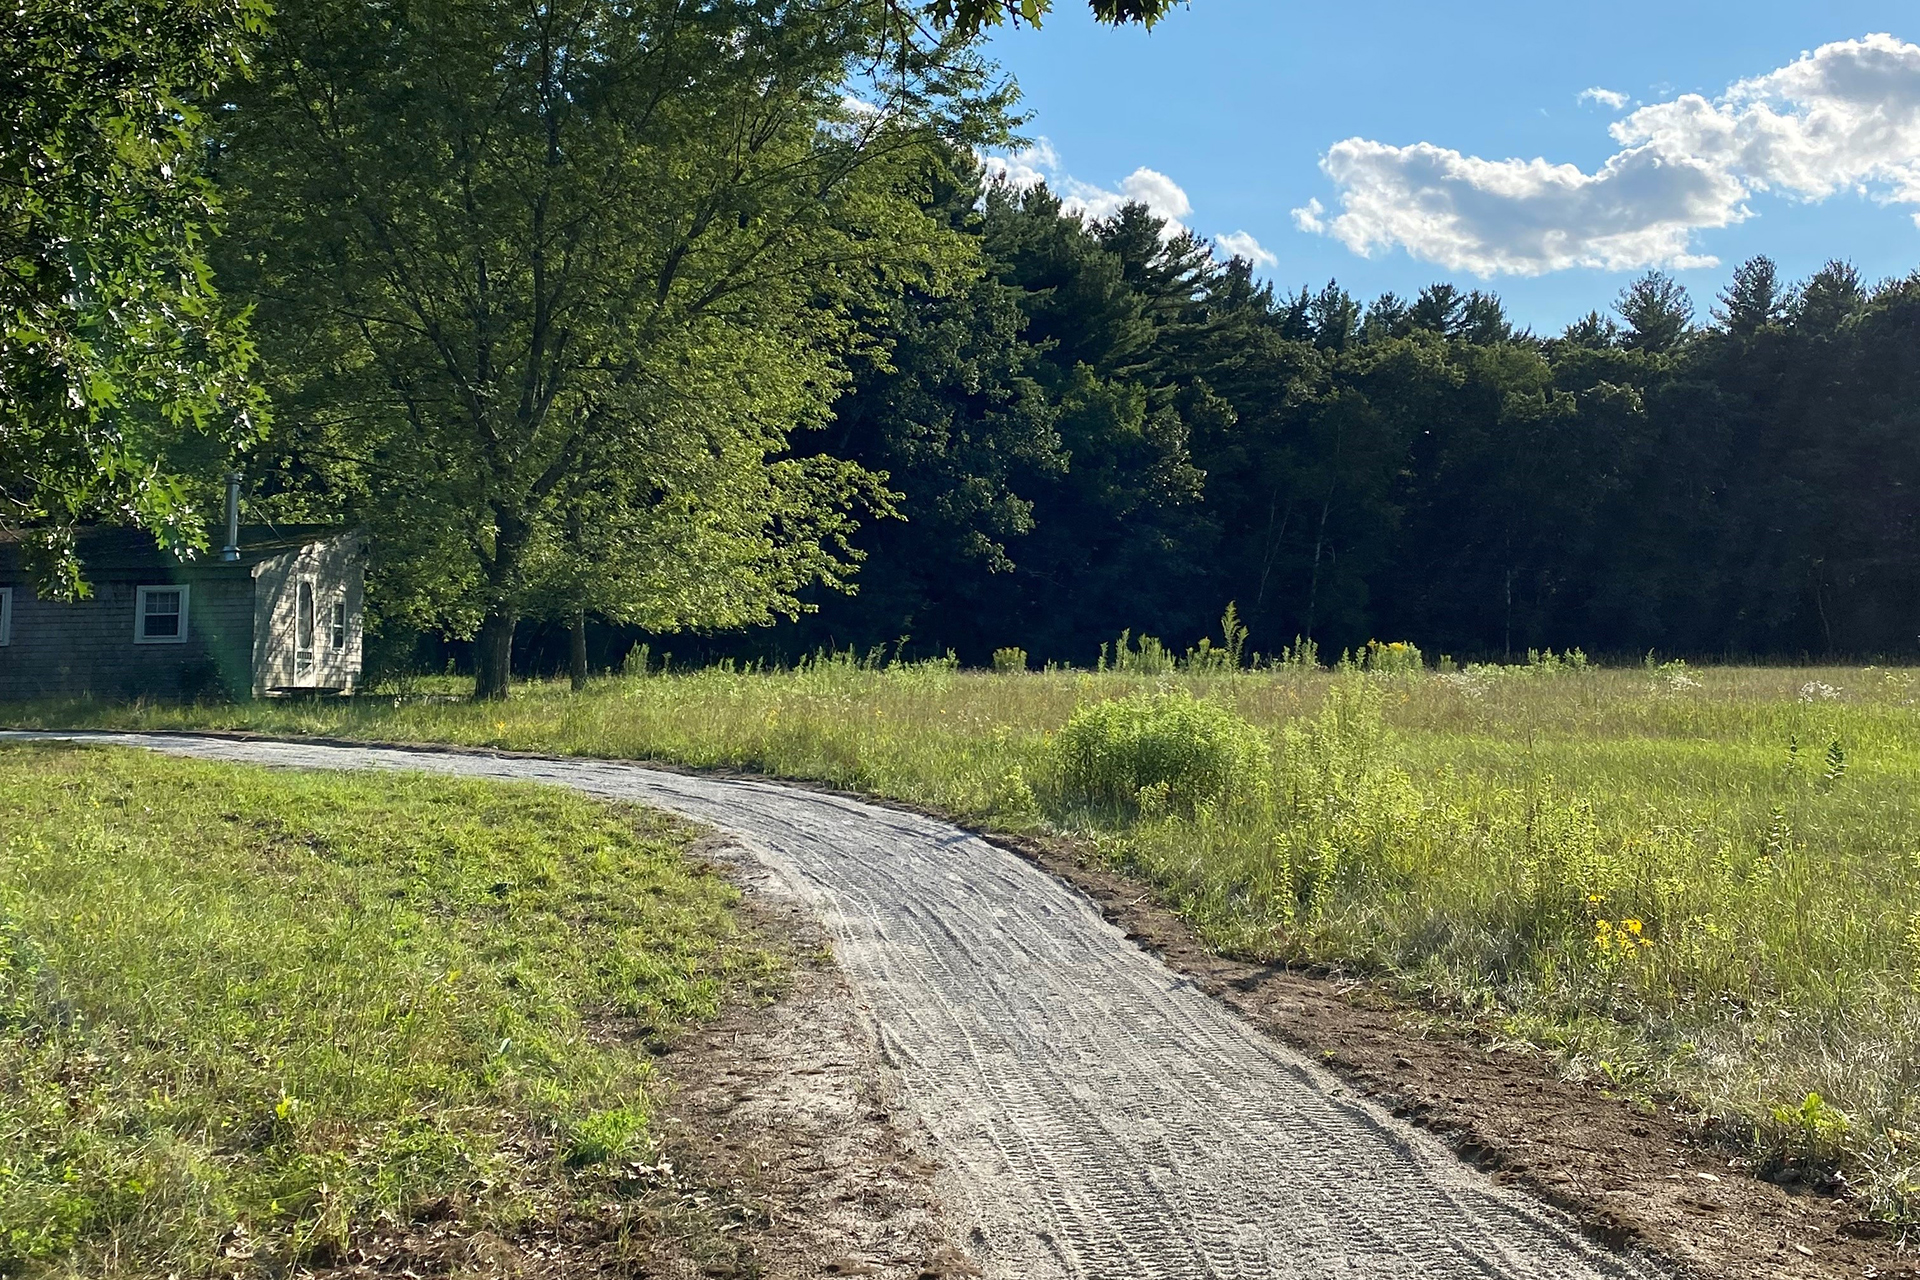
(1845, 117)
(1610, 98)
(1023, 169)
(1521, 217)
(1163, 197)
(1239, 244)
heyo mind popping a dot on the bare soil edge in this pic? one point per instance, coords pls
(784, 1115)
(783, 1149)
(1661, 1182)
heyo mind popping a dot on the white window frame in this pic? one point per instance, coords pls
(337, 625)
(140, 635)
(6, 616)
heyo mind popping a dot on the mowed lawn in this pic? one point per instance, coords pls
(1700, 887)
(253, 1018)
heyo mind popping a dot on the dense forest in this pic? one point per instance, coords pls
(1111, 429)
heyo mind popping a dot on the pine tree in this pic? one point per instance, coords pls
(1753, 300)
(1657, 311)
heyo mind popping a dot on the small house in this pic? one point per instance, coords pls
(277, 611)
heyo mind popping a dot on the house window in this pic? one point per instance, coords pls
(160, 615)
(303, 629)
(6, 615)
(337, 625)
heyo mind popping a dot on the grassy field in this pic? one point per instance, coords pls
(1698, 883)
(250, 1018)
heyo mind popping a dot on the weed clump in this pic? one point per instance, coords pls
(1160, 751)
(1400, 658)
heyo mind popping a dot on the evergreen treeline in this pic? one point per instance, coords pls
(1110, 429)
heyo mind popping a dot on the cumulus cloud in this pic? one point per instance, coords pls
(1161, 194)
(1522, 217)
(1239, 244)
(1163, 197)
(1845, 117)
(1610, 98)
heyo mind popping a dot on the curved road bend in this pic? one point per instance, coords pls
(1097, 1116)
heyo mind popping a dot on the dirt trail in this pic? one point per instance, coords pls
(1097, 1114)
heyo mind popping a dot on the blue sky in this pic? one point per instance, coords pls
(1389, 126)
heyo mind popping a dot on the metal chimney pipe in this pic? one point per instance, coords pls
(232, 550)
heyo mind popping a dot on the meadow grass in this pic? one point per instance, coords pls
(1701, 884)
(249, 1017)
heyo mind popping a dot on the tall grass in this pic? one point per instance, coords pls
(1696, 881)
(249, 1017)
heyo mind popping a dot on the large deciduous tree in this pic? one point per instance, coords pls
(547, 284)
(118, 359)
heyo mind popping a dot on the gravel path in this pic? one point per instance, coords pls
(1098, 1117)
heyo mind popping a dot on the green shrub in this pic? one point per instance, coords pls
(1010, 661)
(1160, 750)
(1397, 659)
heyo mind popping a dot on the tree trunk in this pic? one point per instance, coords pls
(494, 651)
(1507, 650)
(1319, 543)
(577, 665)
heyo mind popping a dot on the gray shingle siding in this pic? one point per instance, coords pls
(88, 647)
(240, 627)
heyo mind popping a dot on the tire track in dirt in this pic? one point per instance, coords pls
(1097, 1114)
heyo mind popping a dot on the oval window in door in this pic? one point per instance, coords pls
(303, 630)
